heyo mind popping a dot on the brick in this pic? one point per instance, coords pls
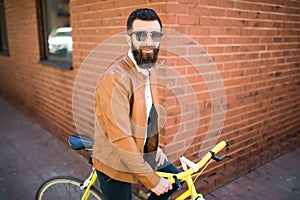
(216, 31)
(188, 20)
(200, 31)
(172, 19)
(208, 21)
(192, 2)
(178, 9)
(226, 4)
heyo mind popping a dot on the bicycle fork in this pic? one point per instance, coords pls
(87, 184)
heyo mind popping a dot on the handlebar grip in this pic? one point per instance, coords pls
(209, 155)
(219, 147)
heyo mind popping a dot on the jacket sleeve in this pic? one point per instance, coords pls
(113, 99)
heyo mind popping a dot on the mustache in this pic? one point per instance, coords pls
(147, 47)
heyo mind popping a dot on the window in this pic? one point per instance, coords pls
(3, 34)
(56, 33)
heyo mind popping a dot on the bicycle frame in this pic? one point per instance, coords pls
(183, 176)
(190, 192)
(88, 184)
(187, 174)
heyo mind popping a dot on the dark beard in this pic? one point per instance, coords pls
(145, 60)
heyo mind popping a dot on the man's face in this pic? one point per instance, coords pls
(145, 40)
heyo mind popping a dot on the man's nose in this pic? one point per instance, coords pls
(149, 40)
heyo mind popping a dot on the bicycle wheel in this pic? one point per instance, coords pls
(65, 188)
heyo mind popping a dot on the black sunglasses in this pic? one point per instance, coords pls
(143, 35)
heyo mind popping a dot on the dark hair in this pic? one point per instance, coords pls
(142, 14)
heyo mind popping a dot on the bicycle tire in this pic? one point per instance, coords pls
(65, 188)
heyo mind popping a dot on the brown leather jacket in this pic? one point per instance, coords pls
(121, 123)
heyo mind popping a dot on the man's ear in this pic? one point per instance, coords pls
(128, 38)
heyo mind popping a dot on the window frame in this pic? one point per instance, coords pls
(3, 32)
(45, 59)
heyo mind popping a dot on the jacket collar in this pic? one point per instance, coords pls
(133, 67)
(153, 78)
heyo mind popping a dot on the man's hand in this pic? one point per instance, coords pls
(160, 157)
(163, 186)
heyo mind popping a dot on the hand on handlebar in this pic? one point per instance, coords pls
(163, 186)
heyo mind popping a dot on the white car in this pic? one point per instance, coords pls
(60, 41)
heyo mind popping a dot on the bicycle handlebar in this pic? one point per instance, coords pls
(209, 155)
(216, 149)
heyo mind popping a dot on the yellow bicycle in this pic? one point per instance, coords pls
(66, 187)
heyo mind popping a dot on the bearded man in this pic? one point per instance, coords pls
(126, 119)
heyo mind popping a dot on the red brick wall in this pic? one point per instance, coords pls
(42, 90)
(255, 45)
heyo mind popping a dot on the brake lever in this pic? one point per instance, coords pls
(178, 184)
(218, 159)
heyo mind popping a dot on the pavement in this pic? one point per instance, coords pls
(29, 155)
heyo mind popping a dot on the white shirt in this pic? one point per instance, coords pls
(148, 95)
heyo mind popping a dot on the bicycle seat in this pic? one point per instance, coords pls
(78, 142)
